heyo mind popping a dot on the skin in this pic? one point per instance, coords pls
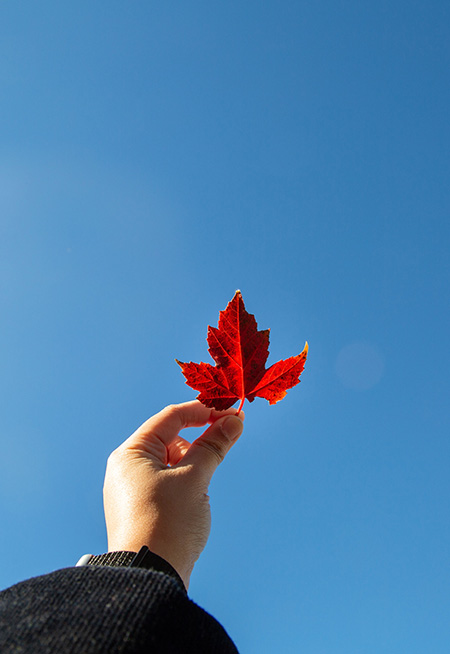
(156, 483)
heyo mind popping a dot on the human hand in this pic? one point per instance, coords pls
(156, 483)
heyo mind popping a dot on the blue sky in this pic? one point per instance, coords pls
(157, 156)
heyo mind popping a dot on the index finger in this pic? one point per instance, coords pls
(166, 425)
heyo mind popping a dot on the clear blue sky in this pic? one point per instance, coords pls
(157, 156)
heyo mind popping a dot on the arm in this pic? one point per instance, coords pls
(155, 494)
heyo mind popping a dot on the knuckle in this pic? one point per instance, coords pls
(171, 408)
(112, 458)
(175, 412)
(214, 448)
(115, 457)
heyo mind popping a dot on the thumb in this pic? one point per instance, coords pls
(211, 447)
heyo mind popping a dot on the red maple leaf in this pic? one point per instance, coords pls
(240, 351)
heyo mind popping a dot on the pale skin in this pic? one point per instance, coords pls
(156, 483)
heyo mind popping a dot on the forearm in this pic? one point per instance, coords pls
(90, 609)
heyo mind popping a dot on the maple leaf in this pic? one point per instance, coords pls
(240, 351)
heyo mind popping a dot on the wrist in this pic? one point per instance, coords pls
(144, 558)
(177, 559)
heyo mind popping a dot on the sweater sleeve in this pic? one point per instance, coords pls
(93, 610)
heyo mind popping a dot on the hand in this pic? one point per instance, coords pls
(156, 484)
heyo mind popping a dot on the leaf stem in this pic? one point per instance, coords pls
(240, 406)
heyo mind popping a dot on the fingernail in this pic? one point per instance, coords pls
(232, 427)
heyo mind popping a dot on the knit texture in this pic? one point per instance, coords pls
(106, 610)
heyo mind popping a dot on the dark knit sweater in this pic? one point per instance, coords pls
(96, 610)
